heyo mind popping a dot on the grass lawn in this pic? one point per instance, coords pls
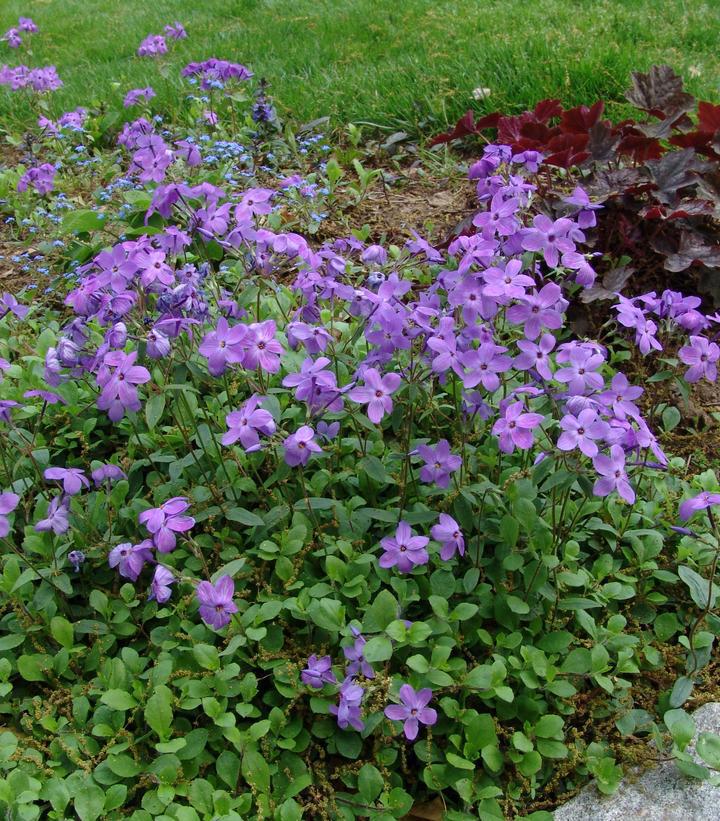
(410, 64)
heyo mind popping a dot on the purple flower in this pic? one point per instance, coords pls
(316, 386)
(318, 672)
(539, 310)
(412, 710)
(701, 355)
(107, 473)
(354, 654)
(225, 345)
(439, 463)
(27, 24)
(56, 518)
(245, 424)
(514, 428)
(585, 209)
(135, 95)
(263, 350)
(348, 709)
(702, 501)
(549, 237)
(612, 475)
(47, 396)
(152, 46)
(76, 558)
(73, 479)
(165, 521)
(8, 502)
(216, 601)
(581, 372)
(131, 558)
(507, 283)
(176, 31)
(451, 539)
(160, 585)
(620, 397)
(8, 304)
(376, 393)
(581, 431)
(118, 377)
(484, 364)
(536, 356)
(299, 446)
(41, 178)
(6, 405)
(327, 431)
(404, 550)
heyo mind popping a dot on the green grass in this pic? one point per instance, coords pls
(399, 63)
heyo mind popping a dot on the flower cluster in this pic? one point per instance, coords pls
(13, 35)
(41, 178)
(40, 80)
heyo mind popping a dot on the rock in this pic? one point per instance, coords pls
(660, 794)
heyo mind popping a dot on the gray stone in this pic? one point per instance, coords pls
(659, 794)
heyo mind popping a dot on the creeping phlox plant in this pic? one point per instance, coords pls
(313, 530)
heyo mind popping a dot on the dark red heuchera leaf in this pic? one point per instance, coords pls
(640, 147)
(709, 117)
(510, 128)
(603, 142)
(659, 92)
(466, 126)
(693, 248)
(699, 140)
(547, 110)
(675, 170)
(567, 158)
(581, 118)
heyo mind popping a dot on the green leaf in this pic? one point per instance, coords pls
(328, 614)
(255, 771)
(681, 691)
(89, 802)
(123, 765)
(378, 648)
(245, 517)
(62, 631)
(549, 726)
(460, 763)
(381, 612)
(118, 700)
(370, 783)
(681, 726)
(206, 656)
(82, 222)
(154, 409)
(158, 711)
(699, 587)
(228, 768)
(708, 748)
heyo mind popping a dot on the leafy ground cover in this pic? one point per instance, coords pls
(304, 515)
(409, 66)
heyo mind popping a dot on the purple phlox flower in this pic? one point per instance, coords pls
(27, 24)
(701, 355)
(47, 396)
(470, 294)
(225, 345)
(418, 245)
(348, 708)
(549, 237)
(316, 386)
(42, 179)
(216, 601)
(318, 672)
(354, 654)
(446, 351)
(376, 393)
(6, 405)
(118, 377)
(447, 532)
(439, 463)
(158, 344)
(374, 253)
(135, 95)
(107, 473)
(581, 373)
(245, 424)
(314, 338)
(702, 501)
(8, 502)
(263, 350)
(404, 550)
(620, 397)
(152, 46)
(160, 585)
(300, 446)
(12, 38)
(190, 153)
(499, 218)
(484, 364)
(130, 558)
(165, 521)
(176, 31)
(613, 475)
(9, 304)
(581, 432)
(645, 337)
(56, 518)
(538, 310)
(76, 558)
(327, 430)
(585, 210)
(536, 356)
(507, 283)
(515, 428)
(412, 710)
(73, 479)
